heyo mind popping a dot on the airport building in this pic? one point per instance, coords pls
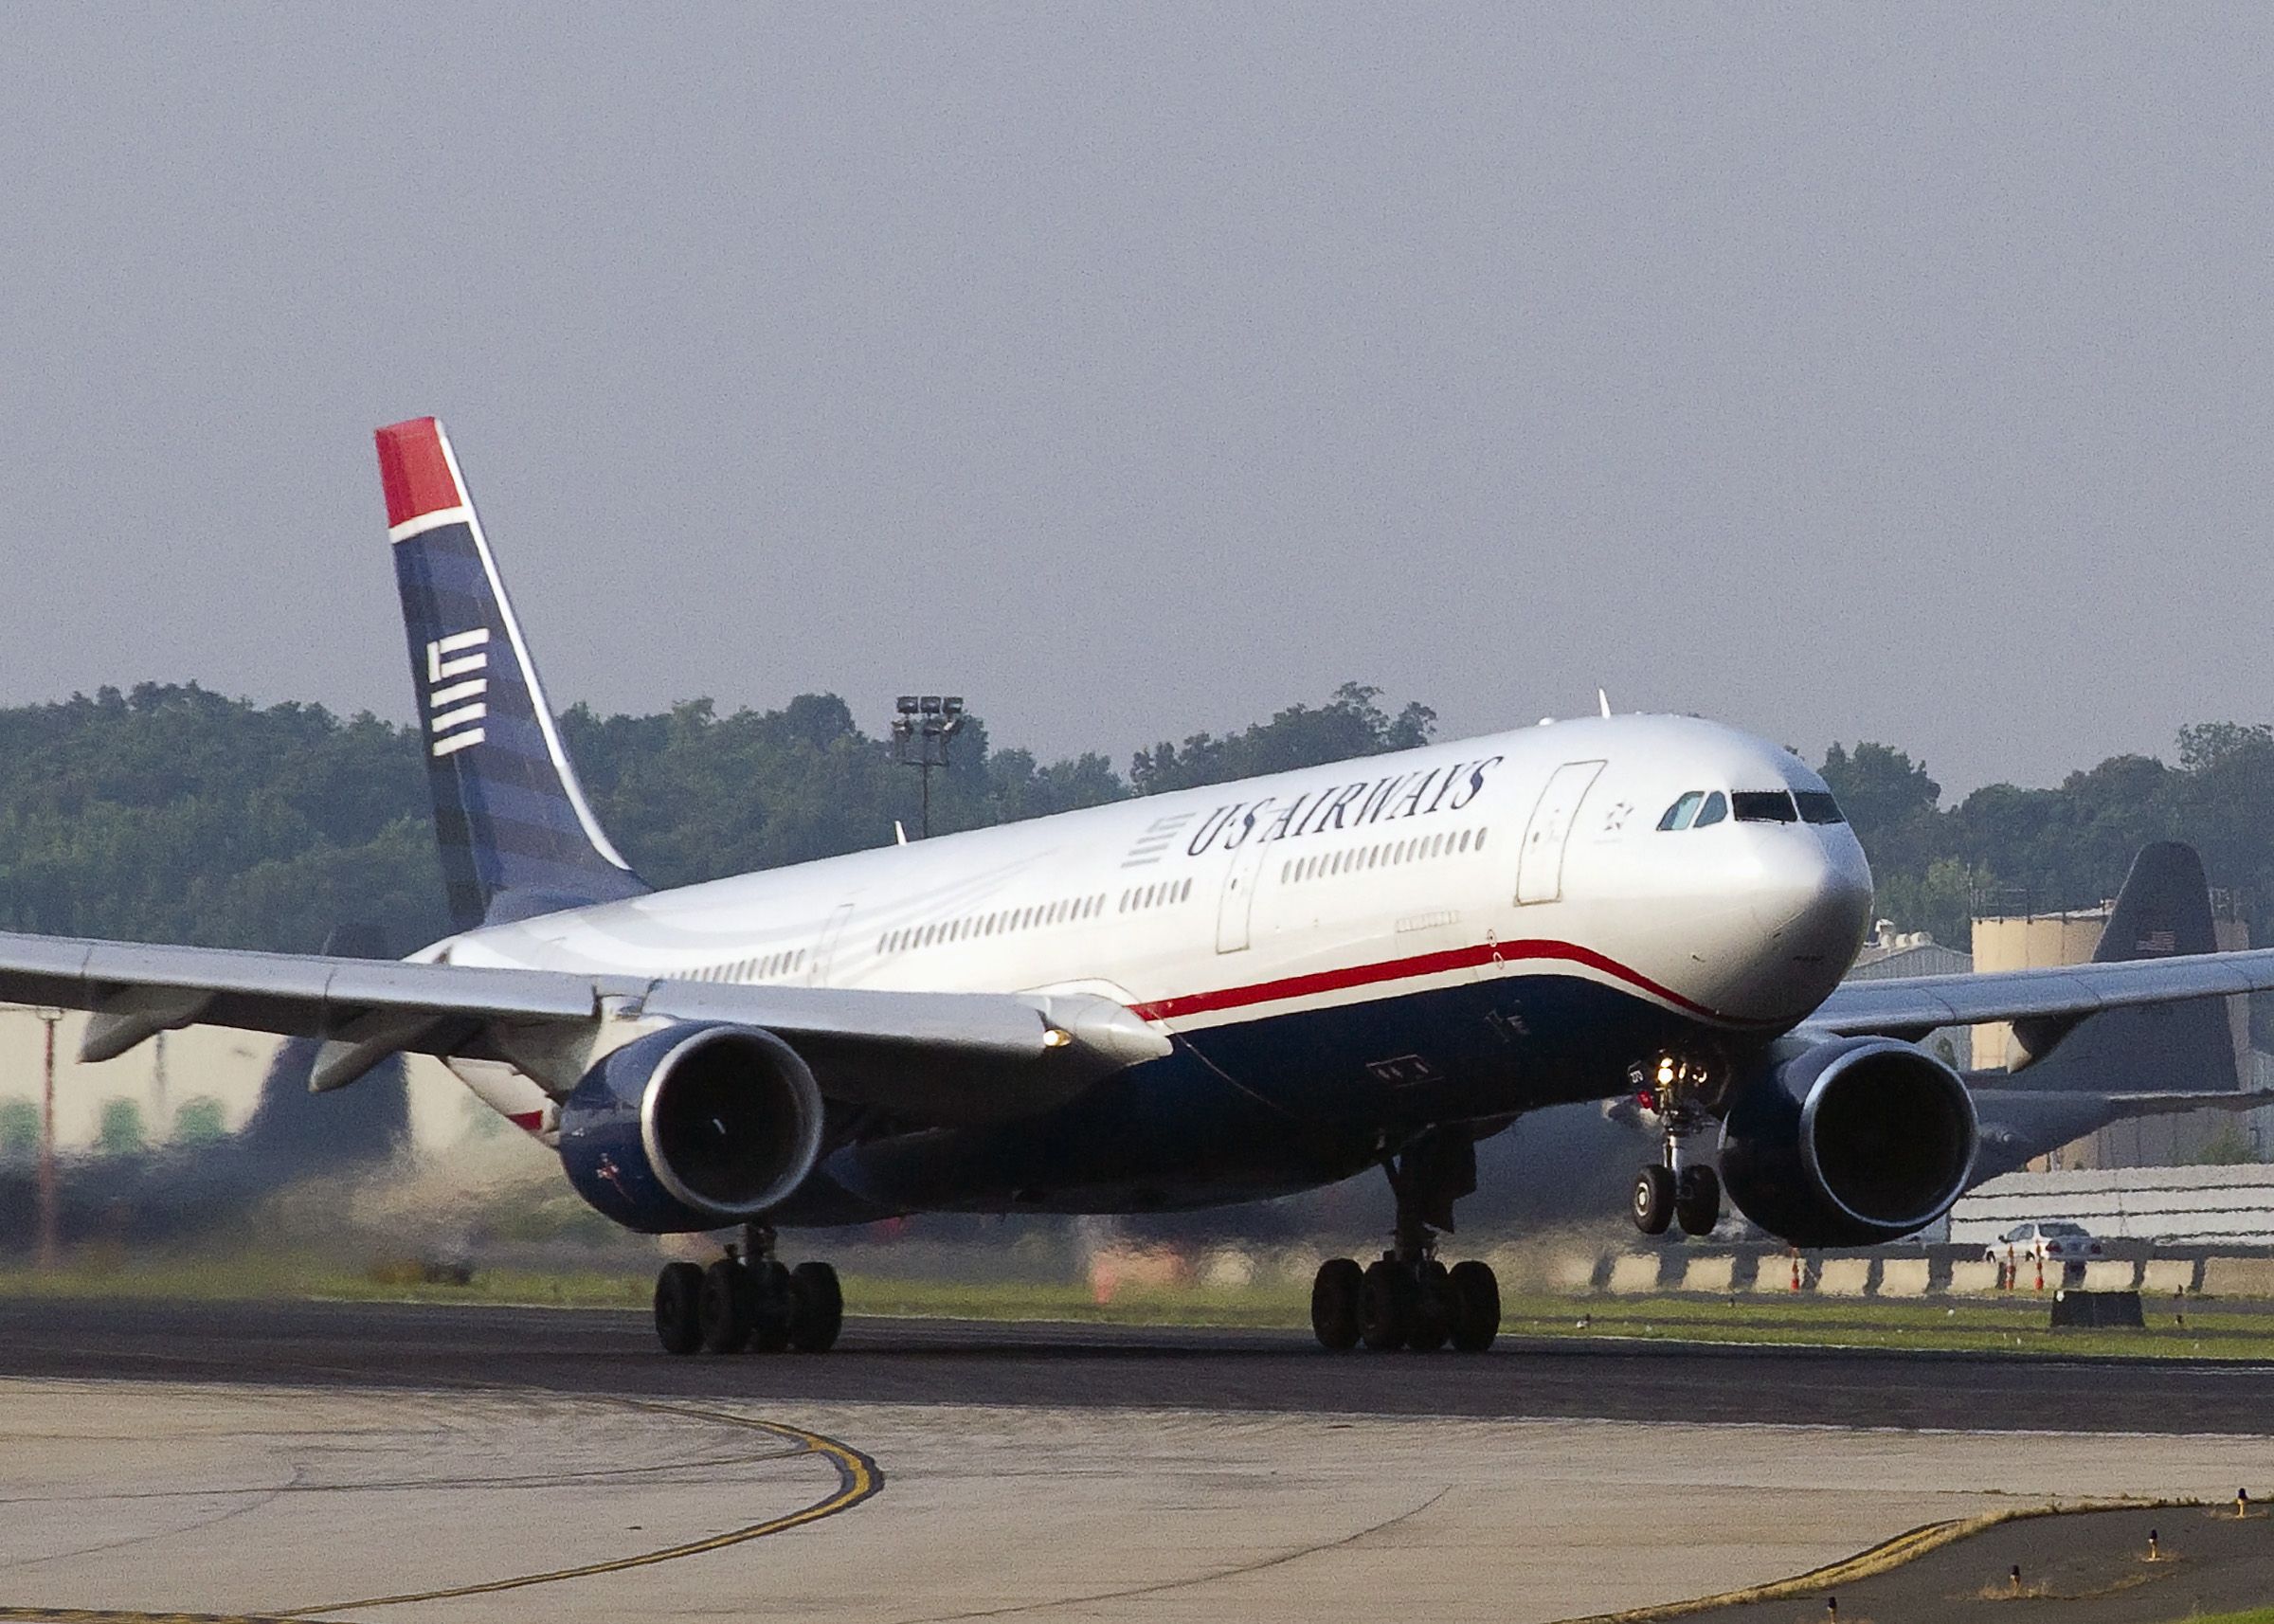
(180, 1088)
(1891, 954)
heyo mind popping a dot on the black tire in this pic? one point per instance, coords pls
(817, 1308)
(1653, 1207)
(678, 1290)
(723, 1308)
(1387, 1307)
(772, 1307)
(1434, 1310)
(1336, 1295)
(1476, 1296)
(1698, 1200)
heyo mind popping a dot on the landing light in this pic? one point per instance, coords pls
(1054, 1039)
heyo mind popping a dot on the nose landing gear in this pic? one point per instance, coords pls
(1674, 1189)
(1406, 1297)
(748, 1299)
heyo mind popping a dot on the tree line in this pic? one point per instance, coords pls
(170, 813)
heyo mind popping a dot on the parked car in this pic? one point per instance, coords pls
(2063, 1243)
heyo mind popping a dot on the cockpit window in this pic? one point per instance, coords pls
(1680, 814)
(1817, 806)
(1763, 806)
(1713, 811)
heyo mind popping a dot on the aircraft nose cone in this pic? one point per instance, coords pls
(1812, 901)
(1814, 885)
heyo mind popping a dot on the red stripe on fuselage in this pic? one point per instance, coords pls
(1404, 970)
(415, 472)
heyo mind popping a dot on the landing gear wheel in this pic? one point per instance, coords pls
(772, 1305)
(1698, 1200)
(1476, 1306)
(1387, 1306)
(1337, 1295)
(817, 1308)
(1433, 1308)
(1654, 1198)
(678, 1290)
(723, 1307)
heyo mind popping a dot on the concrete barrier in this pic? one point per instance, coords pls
(1572, 1271)
(2238, 1277)
(1845, 1277)
(1899, 1276)
(1634, 1271)
(2168, 1274)
(1976, 1276)
(1904, 1277)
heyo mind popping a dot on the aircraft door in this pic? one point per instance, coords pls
(1238, 906)
(826, 947)
(1540, 861)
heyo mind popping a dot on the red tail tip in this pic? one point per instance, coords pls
(416, 471)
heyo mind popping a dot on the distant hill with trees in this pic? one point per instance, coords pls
(168, 812)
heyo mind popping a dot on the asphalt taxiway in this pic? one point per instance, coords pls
(922, 1362)
(354, 1462)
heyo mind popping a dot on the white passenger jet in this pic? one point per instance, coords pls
(1214, 996)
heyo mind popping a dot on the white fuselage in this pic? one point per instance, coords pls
(1369, 880)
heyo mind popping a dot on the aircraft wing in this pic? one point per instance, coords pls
(2047, 1001)
(933, 1057)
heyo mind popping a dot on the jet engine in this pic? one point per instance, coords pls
(1848, 1142)
(691, 1128)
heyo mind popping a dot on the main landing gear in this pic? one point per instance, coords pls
(1406, 1297)
(748, 1300)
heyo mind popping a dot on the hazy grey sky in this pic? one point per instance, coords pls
(1838, 372)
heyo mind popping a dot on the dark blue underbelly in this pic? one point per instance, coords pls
(1263, 1108)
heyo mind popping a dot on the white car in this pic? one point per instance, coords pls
(2050, 1242)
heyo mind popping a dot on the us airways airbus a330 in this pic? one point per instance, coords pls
(1215, 996)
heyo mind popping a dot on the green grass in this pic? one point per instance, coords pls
(2016, 1324)
(2254, 1616)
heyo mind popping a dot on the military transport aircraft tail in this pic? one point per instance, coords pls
(517, 836)
(2162, 910)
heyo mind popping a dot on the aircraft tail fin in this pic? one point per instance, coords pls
(2163, 910)
(517, 836)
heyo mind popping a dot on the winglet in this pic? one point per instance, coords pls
(420, 476)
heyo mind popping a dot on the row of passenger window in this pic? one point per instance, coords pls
(787, 961)
(997, 922)
(1420, 848)
(1697, 809)
(1155, 895)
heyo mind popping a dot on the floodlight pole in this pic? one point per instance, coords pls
(48, 1018)
(922, 725)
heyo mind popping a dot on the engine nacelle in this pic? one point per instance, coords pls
(696, 1126)
(1848, 1142)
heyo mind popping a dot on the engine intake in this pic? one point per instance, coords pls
(1848, 1142)
(691, 1128)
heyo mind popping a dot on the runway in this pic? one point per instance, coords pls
(372, 1462)
(1062, 1366)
